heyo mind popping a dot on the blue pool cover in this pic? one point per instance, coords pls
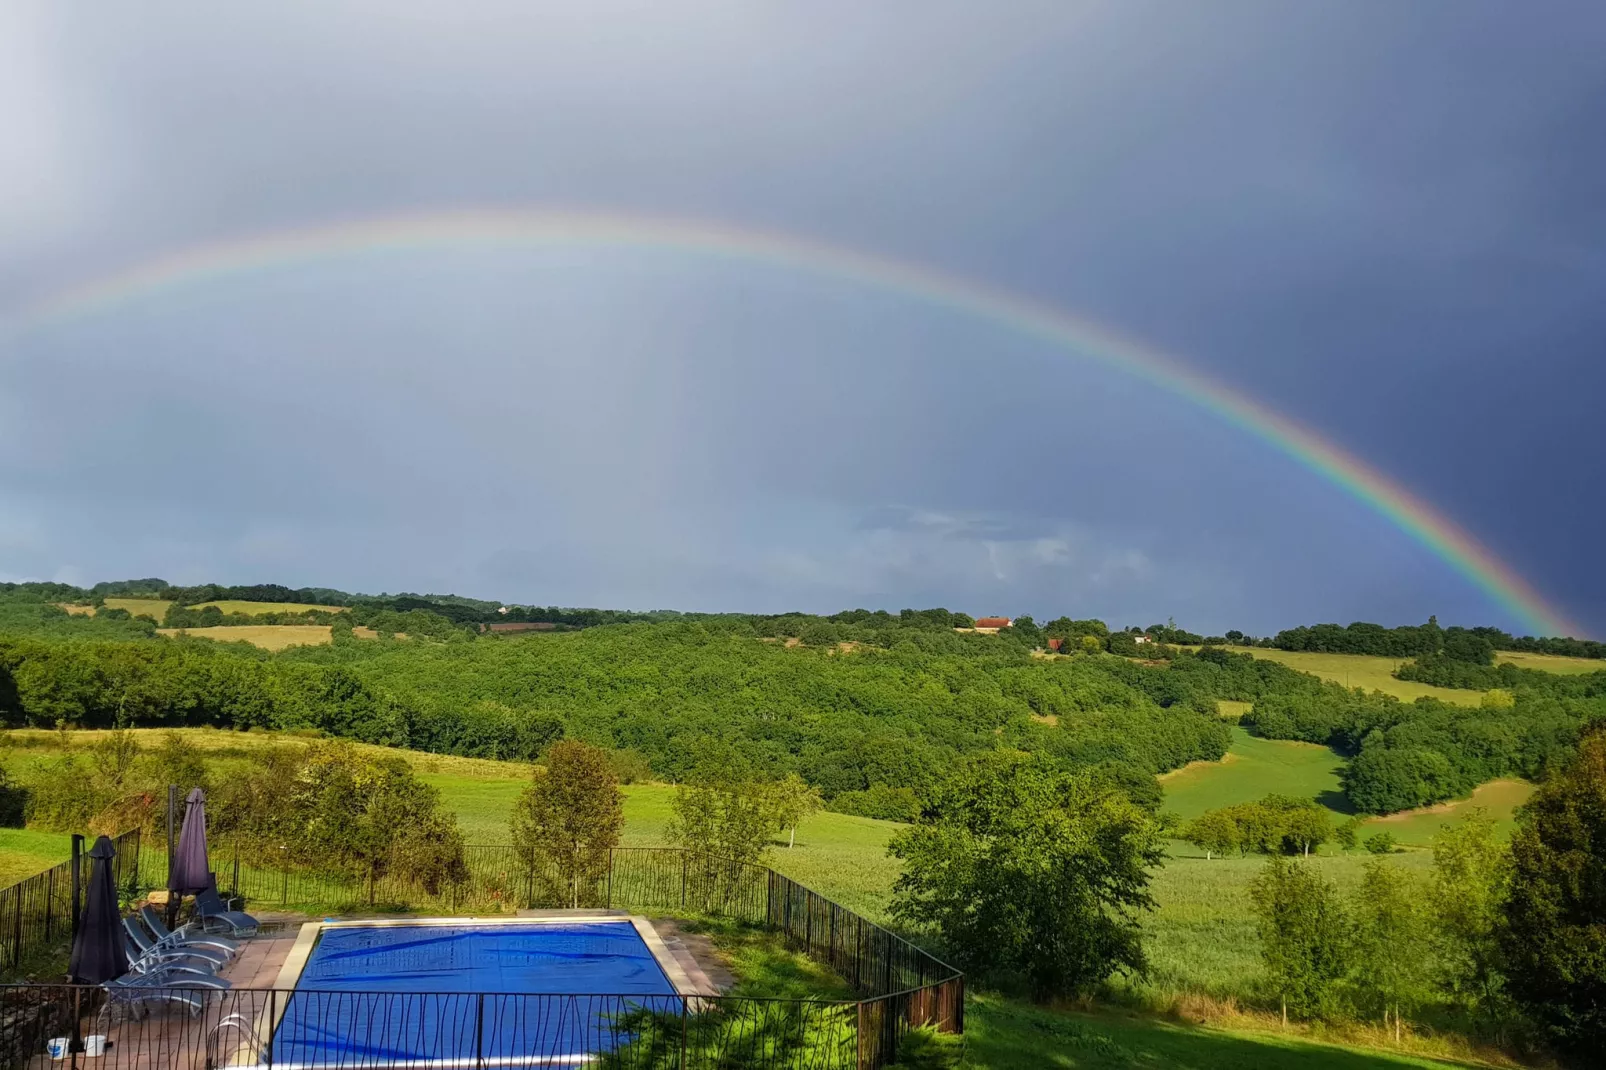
(528, 994)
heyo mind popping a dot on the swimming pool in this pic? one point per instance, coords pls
(455, 993)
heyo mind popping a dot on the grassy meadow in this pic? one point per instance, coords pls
(1366, 671)
(1549, 662)
(1254, 768)
(1201, 938)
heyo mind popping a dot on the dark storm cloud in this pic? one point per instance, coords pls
(1385, 221)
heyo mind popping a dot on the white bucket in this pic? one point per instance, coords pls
(57, 1047)
(95, 1045)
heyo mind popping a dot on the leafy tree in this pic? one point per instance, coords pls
(1383, 843)
(1214, 832)
(371, 817)
(1303, 936)
(879, 801)
(1555, 932)
(1391, 948)
(1498, 699)
(569, 817)
(1275, 823)
(1030, 874)
(1471, 880)
(1347, 833)
(791, 800)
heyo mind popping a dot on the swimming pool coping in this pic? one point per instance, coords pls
(301, 951)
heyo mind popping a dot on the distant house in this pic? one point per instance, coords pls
(503, 609)
(993, 622)
(1055, 644)
(1143, 638)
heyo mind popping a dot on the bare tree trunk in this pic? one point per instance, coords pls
(1285, 1012)
(791, 843)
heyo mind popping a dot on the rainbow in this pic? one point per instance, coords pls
(516, 228)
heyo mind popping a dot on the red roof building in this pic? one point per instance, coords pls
(1055, 644)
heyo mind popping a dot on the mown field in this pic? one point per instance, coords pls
(267, 636)
(1255, 768)
(258, 608)
(1361, 670)
(1550, 662)
(1202, 936)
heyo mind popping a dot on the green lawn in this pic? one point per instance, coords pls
(24, 852)
(1254, 768)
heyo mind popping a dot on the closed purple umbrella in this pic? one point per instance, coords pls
(98, 953)
(190, 871)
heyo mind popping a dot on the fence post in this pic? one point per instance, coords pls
(50, 898)
(479, 1030)
(285, 899)
(77, 880)
(683, 1031)
(683, 880)
(273, 1024)
(610, 878)
(16, 946)
(234, 883)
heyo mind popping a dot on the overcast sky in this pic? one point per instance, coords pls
(1386, 222)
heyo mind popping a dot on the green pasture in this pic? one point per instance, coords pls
(1550, 662)
(1364, 671)
(1253, 769)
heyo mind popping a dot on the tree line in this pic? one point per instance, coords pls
(868, 708)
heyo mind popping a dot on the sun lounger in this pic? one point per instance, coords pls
(185, 934)
(137, 994)
(215, 915)
(147, 958)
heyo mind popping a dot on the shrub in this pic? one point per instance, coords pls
(1383, 843)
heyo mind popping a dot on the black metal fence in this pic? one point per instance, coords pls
(197, 1029)
(900, 985)
(36, 913)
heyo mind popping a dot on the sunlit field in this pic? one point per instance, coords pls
(255, 609)
(1252, 769)
(1550, 662)
(266, 636)
(1361, 670)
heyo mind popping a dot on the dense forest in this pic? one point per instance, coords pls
(868, 707)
